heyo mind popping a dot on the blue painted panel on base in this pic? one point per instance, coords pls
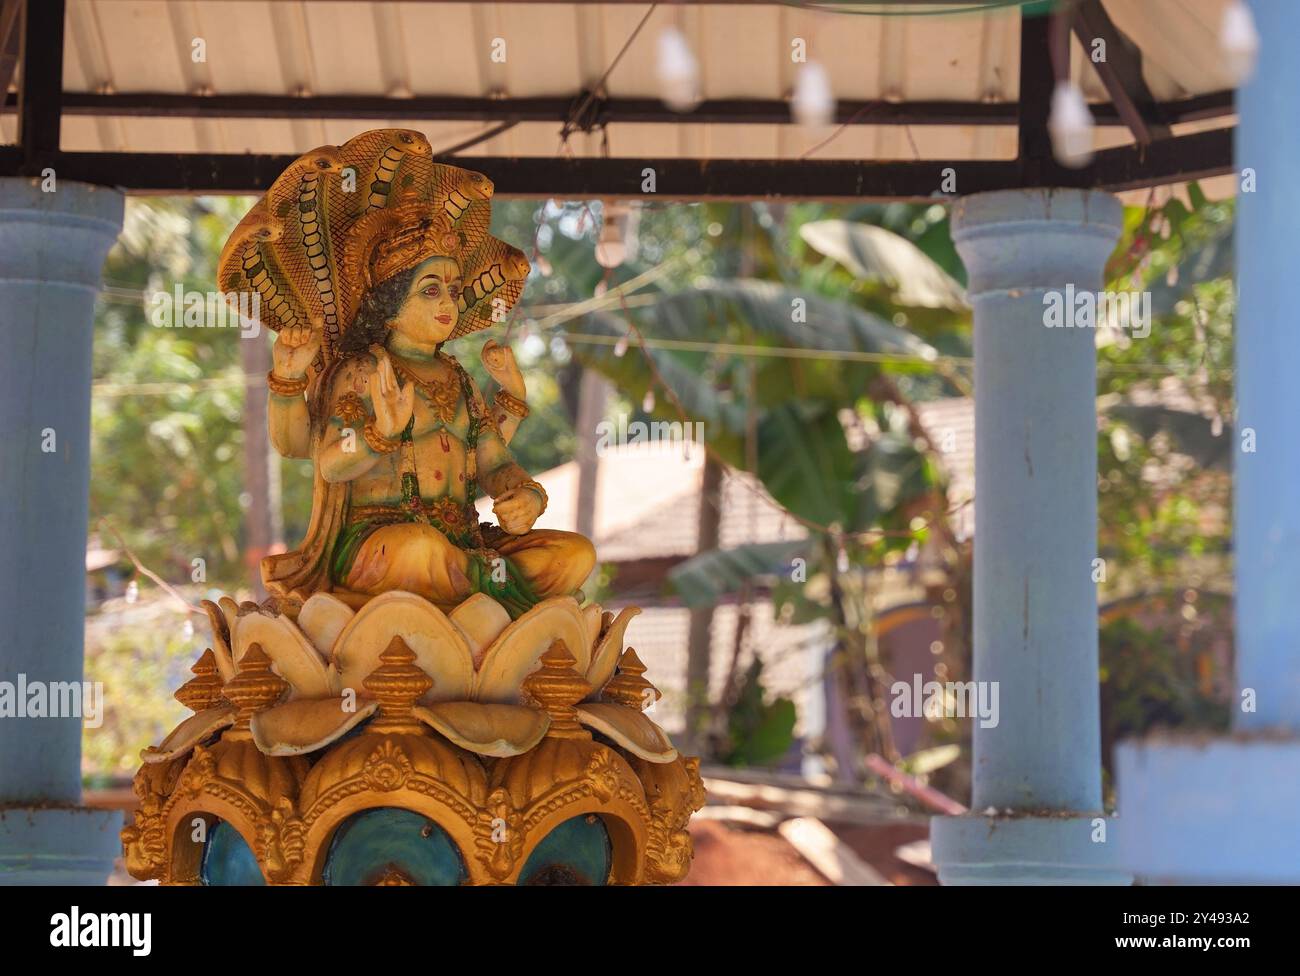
(390, 841)
(577, 852)
(228, 860)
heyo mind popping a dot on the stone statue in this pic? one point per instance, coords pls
(423, 700)
(383, 260)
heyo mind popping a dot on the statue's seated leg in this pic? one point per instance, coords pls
(410, 556)
(553, 562)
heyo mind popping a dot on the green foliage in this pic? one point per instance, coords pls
(1164, 485)
(1148, 681)
(139, 658)
(166, 454)
(705, 579)
(759, 731)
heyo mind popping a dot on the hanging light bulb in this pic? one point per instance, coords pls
(620, 347)
(648, 402)
(1239, 41)
(813, 103)
(132, 591)
(1070, 125)
(679, 74)
(618, 240)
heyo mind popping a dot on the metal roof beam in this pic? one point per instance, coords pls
(11, 40)
(1037, 80)
(603, 111)
(41, 87)
(1171, 160)
(1120, 71)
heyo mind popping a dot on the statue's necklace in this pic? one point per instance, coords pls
(443, 395)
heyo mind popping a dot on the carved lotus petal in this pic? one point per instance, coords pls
(190, 733)
(299, 727)
(292, 655)
(439, 645)
(592, 616)
(515, 654)
(489, 730)
(630, 729)
(481, 620)
(217, 620)
(608, 650)
(322, 618)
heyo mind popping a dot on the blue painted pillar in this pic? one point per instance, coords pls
(1037, 812)
(52, 249)
(1198, 810)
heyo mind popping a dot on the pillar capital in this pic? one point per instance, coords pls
(58, 235)
(1039, 238)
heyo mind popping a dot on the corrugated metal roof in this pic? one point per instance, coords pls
(331, 47)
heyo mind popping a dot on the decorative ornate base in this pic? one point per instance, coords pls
(399, 745)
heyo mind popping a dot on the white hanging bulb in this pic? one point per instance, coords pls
(132, 591)
(648, 403)
(679, 74)
(1070, 126)
(612, 245)
(813, 103)
(1239, 41)
(620, 347)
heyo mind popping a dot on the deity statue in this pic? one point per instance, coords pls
(388, 259)
(423, 699)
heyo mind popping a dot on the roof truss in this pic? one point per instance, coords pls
(1159, 156)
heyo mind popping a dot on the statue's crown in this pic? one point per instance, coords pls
(412, 231)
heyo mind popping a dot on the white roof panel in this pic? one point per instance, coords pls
(341, 47)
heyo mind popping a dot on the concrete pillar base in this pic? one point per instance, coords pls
(1058, 850)
(58, 845)
(1211, 811)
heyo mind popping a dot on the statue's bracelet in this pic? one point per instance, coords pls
(511, 404)
(377, 441)
(539, 491)
(281, 386)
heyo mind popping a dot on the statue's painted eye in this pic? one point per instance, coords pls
(454, 291)
(228, 860)
(433, 291)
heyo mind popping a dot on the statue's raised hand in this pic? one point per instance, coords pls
(500, 363)
(294, 349)
(391, 401)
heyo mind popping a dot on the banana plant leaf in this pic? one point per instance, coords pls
(703, 580)
(890, 472)
(805, 462)
(1215, 258)
(754, 313)
(875, 254)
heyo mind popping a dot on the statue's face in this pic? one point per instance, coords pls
(431, 309)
